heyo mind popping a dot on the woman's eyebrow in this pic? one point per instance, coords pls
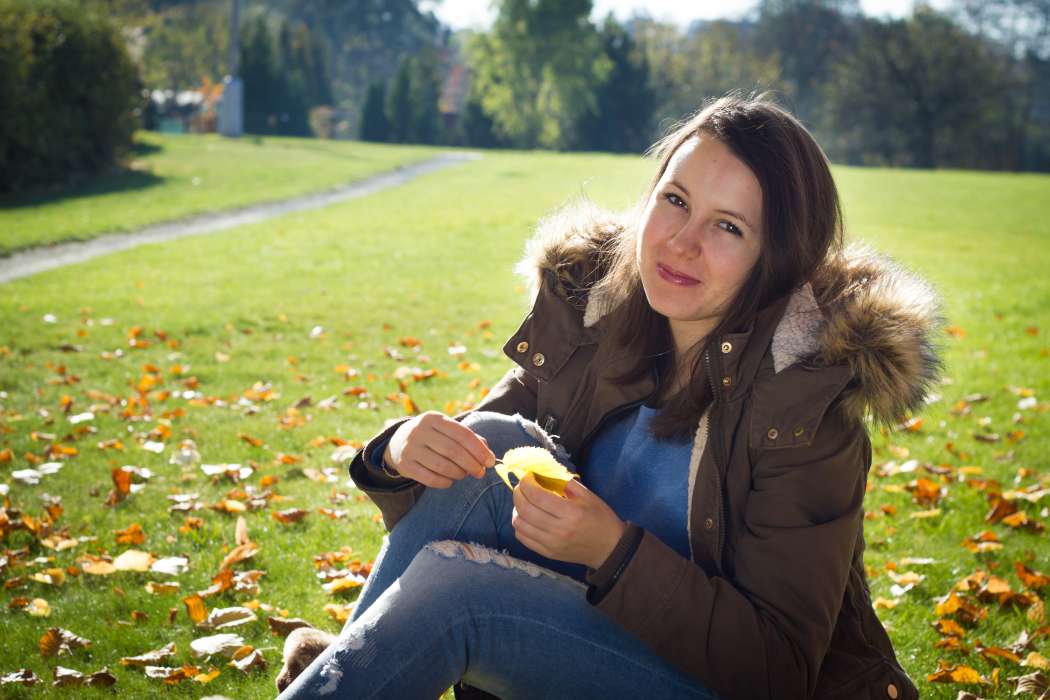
(732, 213)
(680, 186)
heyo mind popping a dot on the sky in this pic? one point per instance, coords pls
(478, 13)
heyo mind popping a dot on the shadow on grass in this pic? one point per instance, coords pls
(120, 179)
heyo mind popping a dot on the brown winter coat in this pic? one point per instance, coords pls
(775, 602)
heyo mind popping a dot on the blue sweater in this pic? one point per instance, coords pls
(643, 479)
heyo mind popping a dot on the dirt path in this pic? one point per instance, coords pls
(34, 260)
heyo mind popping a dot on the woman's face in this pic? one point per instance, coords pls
(700, 236)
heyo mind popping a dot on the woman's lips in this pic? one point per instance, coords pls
(675, 277)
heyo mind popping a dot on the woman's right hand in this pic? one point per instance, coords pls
(435, 450)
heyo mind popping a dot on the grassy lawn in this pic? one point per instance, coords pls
(227, 337)
(170, 176)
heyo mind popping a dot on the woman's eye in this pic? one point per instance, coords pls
(674, 199)
(730, 227)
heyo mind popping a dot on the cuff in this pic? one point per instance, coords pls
(373, 474)
(601, 580)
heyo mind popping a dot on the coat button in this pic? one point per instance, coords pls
(892, 691)
(727, 381)
(799, 430)
(523, 346)
(727, 348)
(538, 359)
(708, 524)
(773, 433)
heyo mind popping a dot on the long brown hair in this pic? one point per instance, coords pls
(801, 225)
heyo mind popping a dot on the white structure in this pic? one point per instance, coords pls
(231, 111)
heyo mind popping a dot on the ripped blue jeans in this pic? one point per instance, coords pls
(454, 596)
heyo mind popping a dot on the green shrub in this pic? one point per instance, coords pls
(68, 91)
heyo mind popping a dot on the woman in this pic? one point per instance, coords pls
(706, 370)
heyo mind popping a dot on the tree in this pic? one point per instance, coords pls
(283, 78)
(55, 124)
(623, 114)
(374, 125)
(537, 70)
(399, 103)
(921, 92)
(808, 37)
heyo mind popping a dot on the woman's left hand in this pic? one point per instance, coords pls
(580, 528)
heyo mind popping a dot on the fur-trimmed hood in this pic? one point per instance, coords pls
(863, 310)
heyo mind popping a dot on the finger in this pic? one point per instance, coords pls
(454, 451)
(415, 470)
(522, 527)
(551, 503)
(538, 519)
(437, 462)
(469, 440)
(533, 544)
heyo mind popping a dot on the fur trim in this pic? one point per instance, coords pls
(877, 317)
(881, 319)
(571, 243)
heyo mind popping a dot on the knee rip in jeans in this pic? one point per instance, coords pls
(540, 435)
(480, 554)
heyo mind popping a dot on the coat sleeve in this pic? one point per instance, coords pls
(764, 632)
(514, 393)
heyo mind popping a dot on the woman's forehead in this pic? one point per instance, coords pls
(705, 163)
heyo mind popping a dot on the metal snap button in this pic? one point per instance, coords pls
(523, 346)
(773, 434)
(892, 691)
(727, 381)
(727, 348)
(538, 359)
(708, 524)
(799, 430)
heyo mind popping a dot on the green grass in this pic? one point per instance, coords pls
(170, 176)
(433, 260)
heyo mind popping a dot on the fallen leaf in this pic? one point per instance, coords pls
(195, 608)
(224, 644)
(239, 553)
(133, 560)
(69, 677)
(150, 658)
(283, 626)
(1036, 660)
(22, 676)
(39, 607)
(253, 660)
(946, 673)
(292, 515)
(132, 534)
(57, 641)
(159, 587)
(222, 618)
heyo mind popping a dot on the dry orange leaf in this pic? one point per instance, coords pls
(196, 608)
(1031, 579)
(253, 441)
(132, 534)
(946, 673)
(239, 553)
(291, 515)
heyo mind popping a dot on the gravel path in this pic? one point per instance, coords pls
(34, 260)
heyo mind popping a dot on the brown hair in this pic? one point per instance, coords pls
(801, 225)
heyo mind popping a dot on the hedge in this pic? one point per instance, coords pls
(68, 92)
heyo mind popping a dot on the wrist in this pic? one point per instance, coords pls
(603, 553)
(386, 464)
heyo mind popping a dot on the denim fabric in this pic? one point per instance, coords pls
(453, 596)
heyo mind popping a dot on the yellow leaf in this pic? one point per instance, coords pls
(39, 608)
(1036, 660)
(548, 472)
(133, 560)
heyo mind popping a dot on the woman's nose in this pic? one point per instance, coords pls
(687, 240)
